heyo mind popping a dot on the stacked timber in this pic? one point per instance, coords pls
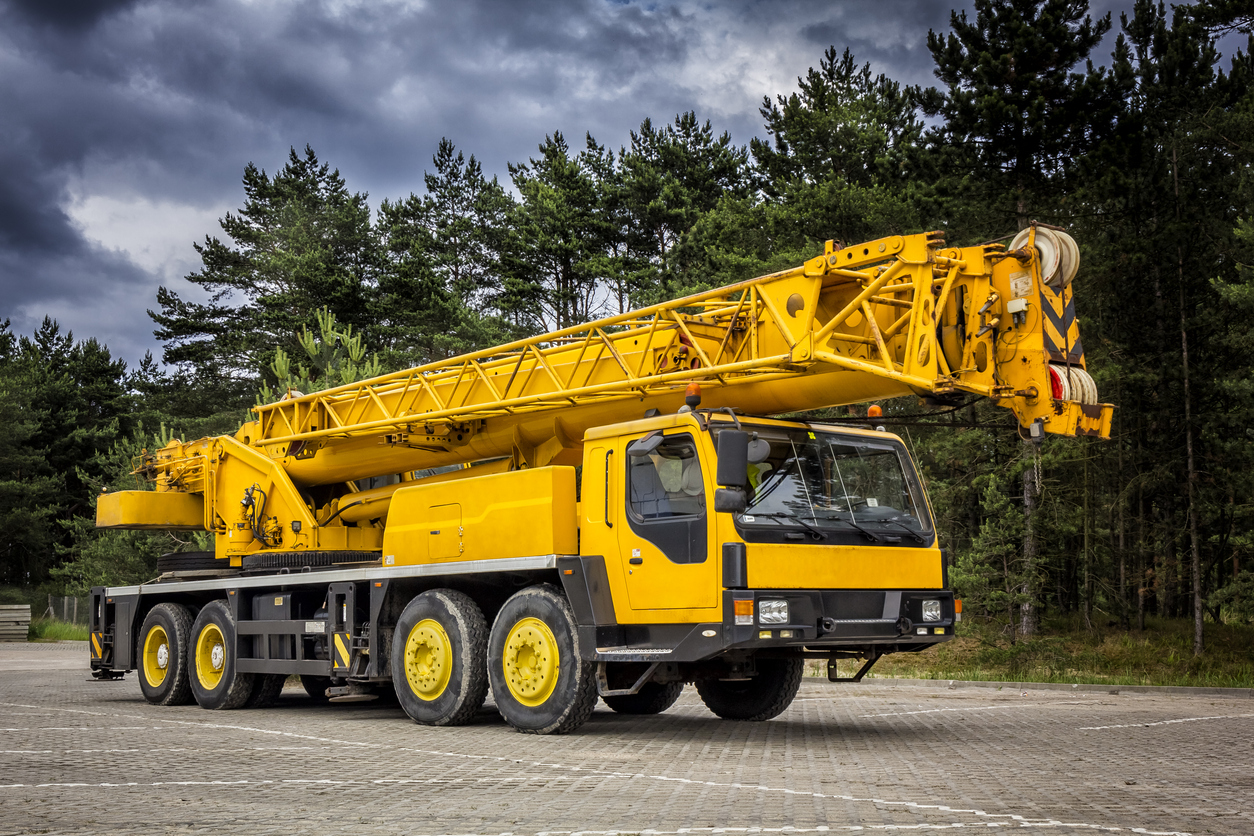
(14, 622)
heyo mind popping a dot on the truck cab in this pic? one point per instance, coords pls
(826, 544)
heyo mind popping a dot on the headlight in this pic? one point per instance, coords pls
(772, 612)
(931, 611)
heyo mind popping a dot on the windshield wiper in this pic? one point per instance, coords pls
(916, 536)
(870, 535)
(777, 515)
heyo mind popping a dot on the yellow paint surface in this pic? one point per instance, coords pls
(780, 566)
(150, 510)
(516, 514)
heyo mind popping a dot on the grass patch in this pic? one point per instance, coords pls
(54, 630)
(1066, 652)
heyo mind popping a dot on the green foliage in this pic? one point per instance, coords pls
(336, 358)
(1070, 652)
(671, 176)
(92, 557)
(842, 125)
(554, 275)
(1015, 112)
(301, 242)
(1237, 598)
(443, 260)
(988, 575)
(52, 630)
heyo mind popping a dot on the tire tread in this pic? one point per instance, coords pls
(757, 700)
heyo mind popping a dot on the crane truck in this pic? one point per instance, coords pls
(605, 511)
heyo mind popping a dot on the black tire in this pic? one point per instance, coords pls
(764, 696)
(439, 653)
(216, 683)
(652, 698)
(315, 686)
(163, 676)
(266, 690)
(535, 692)
(190, 562)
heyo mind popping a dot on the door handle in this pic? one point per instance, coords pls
(636, 561)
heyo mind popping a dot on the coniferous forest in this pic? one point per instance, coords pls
(1143, 155)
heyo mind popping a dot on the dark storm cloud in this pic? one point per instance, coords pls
(128, 124)
(68, 14)
(897, 48)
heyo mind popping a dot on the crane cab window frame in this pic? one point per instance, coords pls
(816, 486)
(665, 497)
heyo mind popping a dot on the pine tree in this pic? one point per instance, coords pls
(671, 176)
(1016, 111)
(301, 241)
(555, 278)
(443, 267)
(843, 124)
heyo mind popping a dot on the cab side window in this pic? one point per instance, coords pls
(667, 482)
(666, 499)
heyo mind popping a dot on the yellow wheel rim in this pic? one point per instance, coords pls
(156, 656)
(210, 656)
(428, 659)
(531, 662)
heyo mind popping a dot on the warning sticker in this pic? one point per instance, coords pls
(1020, 284)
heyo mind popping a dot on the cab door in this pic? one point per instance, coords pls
(665, 531)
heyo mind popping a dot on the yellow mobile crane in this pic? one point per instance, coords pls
(604, 510)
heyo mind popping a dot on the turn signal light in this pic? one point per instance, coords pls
(743, 610)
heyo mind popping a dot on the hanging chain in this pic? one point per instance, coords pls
(1036, 454)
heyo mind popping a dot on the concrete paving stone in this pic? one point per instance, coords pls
(84, 757)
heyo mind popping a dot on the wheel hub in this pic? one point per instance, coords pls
(156, 655)
(531, 662)
(428, 659)
(210, 656)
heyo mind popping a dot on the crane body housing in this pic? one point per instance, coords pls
(568, 516)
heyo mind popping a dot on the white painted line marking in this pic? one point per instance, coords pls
(969, 708)
(87, 728)
(990, 819)
(1166, 722)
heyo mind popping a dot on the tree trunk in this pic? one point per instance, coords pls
(1195, 546)
(1030, 618)
(1088, 573)
(1121, 542)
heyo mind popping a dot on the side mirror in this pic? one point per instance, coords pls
(733, 459)
(730, 501)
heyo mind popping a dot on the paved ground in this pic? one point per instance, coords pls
(90, 758)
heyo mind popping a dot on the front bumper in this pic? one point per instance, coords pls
(881, 621)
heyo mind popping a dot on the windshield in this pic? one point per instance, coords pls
(832, 486)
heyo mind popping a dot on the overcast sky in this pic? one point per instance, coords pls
(126, 126)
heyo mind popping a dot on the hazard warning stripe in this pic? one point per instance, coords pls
(1059, 330)
(341, 650)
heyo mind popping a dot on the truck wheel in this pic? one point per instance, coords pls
(438, 658)
(266, 690)
(216, 683)
(760, 698)
(539, 682)
(315, 686)
(163, 655)
(652, 698)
